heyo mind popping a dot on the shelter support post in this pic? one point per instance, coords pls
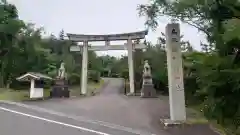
(130, 65)
(32, 87)
(175, 74)
(84, 68)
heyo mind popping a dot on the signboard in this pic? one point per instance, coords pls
(36, 93)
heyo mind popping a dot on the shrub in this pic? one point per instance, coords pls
(215, 85)
(125, 74)
(160, 81)
(93, 75)
(74, 79)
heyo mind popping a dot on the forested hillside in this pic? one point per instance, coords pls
(212, 75)
(24, 49)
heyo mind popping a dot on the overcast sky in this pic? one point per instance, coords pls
(94, 17)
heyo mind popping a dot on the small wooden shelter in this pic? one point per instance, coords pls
(37, 84)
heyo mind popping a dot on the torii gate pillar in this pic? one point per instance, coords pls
(84, 68)
(130, 66)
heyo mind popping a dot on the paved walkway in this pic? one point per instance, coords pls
(114, 110)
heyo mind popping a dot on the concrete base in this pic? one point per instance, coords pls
(169, 123)
(131, 94)
(83, 95)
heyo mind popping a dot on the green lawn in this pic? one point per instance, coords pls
(18, 95)
(195, 116)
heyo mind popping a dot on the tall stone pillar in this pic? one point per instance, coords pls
(84, 68)
(175, 73)
(130, 65)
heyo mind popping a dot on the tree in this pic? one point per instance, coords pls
(209, 76)
(185, 45)
(23, 49)
(61, 35)
(10, 26)
(207, 16)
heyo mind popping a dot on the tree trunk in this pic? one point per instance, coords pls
(2, 76)
(1, 80)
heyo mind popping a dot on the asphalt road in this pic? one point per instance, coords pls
(17, 119)
(112, 109)
(108, 113)
(22, 121)
(14, 124)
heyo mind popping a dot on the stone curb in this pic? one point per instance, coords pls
(218, 131)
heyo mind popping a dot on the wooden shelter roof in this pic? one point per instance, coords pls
(33, 75)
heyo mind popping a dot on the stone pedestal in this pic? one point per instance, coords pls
(148, 90)
(60, 89)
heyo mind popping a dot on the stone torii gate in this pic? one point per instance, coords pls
(174, 64)
(129, 46)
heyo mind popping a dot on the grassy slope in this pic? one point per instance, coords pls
(19, 95)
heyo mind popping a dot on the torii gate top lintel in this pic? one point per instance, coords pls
(108, 37)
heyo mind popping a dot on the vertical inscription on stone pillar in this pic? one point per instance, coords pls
(175, 73)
